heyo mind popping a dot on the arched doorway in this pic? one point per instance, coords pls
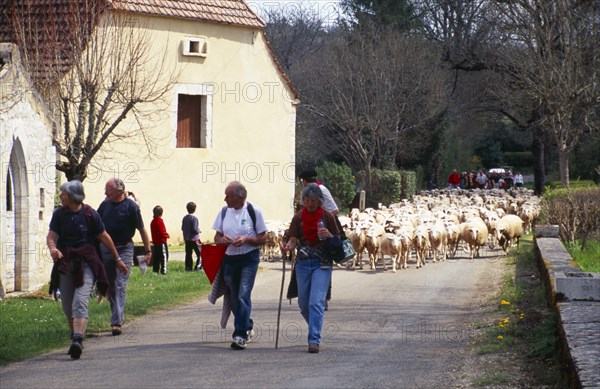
(18, 199)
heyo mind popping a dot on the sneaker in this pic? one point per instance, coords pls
(238, 343)
(116, 329)
(313, 348)
(76, 348)
(251, 335)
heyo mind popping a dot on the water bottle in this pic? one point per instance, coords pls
(320, 225)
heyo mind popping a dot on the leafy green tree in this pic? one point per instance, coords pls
(339, 180)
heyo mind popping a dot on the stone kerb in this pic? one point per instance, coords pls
(575, 295)
(565, 279)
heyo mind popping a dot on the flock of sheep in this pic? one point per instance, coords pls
(436, 225)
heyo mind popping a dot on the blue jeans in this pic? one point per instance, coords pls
(239, 272)
(117, 281)
(313, 282)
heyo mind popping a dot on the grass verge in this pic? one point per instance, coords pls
(34, 324)
(519, 344)
(588, 260)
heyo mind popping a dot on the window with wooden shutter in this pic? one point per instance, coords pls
(189, 121)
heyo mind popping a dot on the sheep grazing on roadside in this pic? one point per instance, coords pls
(509, 230)
(475, 234)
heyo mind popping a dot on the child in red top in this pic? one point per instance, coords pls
(160, 255)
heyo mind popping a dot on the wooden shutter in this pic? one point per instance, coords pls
(189, 120)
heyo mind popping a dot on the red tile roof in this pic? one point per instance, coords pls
(235, 12)
(51, 65)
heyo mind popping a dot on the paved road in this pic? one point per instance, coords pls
(403, 330)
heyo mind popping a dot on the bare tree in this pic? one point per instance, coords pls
(92, 66)
(294, 32)
(367, 90)
(463, 29)
(551, 54)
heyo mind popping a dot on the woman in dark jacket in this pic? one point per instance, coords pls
(313, 271)
(75, 230)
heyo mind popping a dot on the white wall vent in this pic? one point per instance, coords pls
(194, 46)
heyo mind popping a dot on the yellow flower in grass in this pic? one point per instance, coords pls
(504, 302)
(505, 321)
(500, 337)
(501, 325)
(522, 316)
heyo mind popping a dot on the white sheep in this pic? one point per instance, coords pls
(359, 243)
(406, 234)
(475, 234)
(453, 238)
(438, 240)
(373, 236)
(509, 230)
(389, 244)
(421, 244)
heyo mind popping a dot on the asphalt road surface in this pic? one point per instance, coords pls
(408, 329)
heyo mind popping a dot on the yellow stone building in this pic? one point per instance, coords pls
(229, 114)
(240, 103)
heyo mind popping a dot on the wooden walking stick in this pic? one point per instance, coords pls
(283, 258)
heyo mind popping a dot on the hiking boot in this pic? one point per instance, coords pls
(251, 335)
(238, 343)
(76, 348)
(313, 348)
(116, 329)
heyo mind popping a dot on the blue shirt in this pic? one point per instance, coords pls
(121, 219)
(75, 228)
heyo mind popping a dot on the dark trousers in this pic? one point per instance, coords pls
(160, 258)
(191, 245)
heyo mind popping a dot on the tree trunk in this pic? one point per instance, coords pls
(539, 170)
(368, 179)
(563, 159)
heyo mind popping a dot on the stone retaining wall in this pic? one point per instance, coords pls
(575, 296)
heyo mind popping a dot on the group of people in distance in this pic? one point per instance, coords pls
(472, 180)
(89, 246)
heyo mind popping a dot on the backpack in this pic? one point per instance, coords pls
(251, 212)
